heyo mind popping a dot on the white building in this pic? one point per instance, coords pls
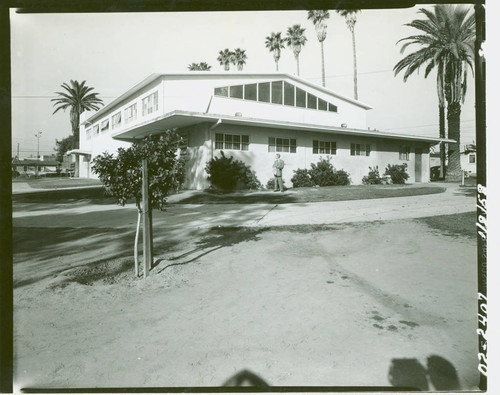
(251, 116)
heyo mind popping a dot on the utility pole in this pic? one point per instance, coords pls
(37, 135)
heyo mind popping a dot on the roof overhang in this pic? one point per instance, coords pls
(179, 119)
(79, 152)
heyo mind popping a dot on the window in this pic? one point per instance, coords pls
(322, 105)
(277, 89)
(404, 152)
(312, 101)
(472, 158)
(150, 104)
(116, 120)
(232, 141)
(276, 92)
(251, 92)
(300, 97)
(236, 91)
(130, 113)
(265, 92)
(223, 91)
(289, 94)
(88, 133)
(324, 147)
(105, 125)
(332, 108)
(360, 149)
(282, 145)
(245, 142)
(95, 130)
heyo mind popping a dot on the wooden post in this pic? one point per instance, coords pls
(146, 229)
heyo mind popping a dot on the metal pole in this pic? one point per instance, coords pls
(37, 135)
(146, 229)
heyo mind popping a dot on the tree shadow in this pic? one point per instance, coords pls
(218, 237)
(410, 373)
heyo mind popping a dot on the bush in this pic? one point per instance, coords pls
(373, 177)
(398, 173)
(324, 174)
(301, 178)
(226, 173)
(341, 177)
(270, 184)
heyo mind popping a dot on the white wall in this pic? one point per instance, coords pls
(383, 152)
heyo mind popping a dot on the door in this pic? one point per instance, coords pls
(418, 164)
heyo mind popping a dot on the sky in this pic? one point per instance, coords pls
(114, 51)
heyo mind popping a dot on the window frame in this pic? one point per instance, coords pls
(114, 124)
(133, 110)
(150, 104)
(228, 141)
(291, 144)
(361, 149)
(404, 152)
(332, 147)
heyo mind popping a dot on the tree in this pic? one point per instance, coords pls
(63, 146)
(350, 19)
(295, 39)
(318, 18)
(239, 58)
(78, 98)
(225, 58)
(447, 45)
(122, 175)
(199, 67)
(275, 44)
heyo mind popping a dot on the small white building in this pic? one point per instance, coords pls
(251, 116)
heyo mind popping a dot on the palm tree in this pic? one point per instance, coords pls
(225, 58)
(275, 44)
(318, 18)
(448, 45)
(78, 99)
(295, 39)
(199, 67)
(350, 19)
(239, 58)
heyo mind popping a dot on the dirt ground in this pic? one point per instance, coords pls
(369, 304)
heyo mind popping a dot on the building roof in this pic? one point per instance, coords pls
(212, 74)
(179, 118)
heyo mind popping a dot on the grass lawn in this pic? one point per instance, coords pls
(463, 224)
(306, 195)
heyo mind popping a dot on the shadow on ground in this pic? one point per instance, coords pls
(410, 373)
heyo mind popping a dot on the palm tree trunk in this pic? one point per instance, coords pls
(355, 65)
(454, 172)
(297, 60)
(276, 65)
(322, 63)
(442, 153)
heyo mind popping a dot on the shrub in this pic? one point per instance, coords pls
(226, 173)
(373, 177)
(341, 177)
(398, 173)
(323, 174)
(250, 180)
(270, 184)
(301, 178)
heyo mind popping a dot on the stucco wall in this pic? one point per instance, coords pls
(383, 152)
